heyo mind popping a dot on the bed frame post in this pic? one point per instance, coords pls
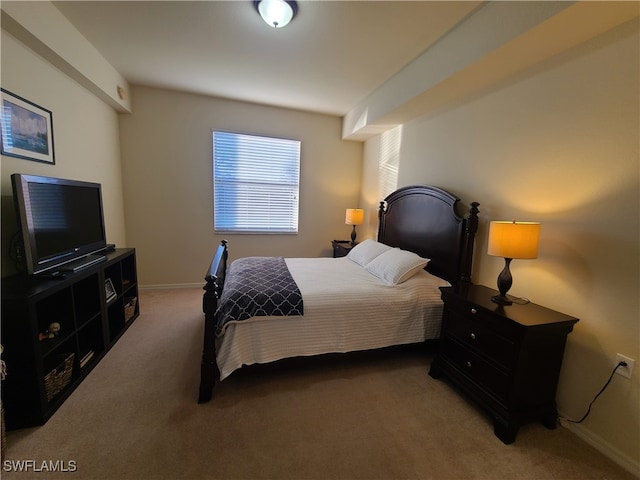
(471, 227)
(381, 212)
(209, 372)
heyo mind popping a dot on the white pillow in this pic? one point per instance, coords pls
(395, 266)
(366, 251)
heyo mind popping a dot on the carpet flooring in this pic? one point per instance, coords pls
(375, 415)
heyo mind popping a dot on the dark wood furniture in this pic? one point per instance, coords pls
(420, 218)
(506, 358)
(89, 326)
(341, 247)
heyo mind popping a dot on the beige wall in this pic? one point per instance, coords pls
(558, 145)
(167, 158)
(85, 132)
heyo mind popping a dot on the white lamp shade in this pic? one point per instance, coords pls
(276, 13)
(354, 216)
(514, 239)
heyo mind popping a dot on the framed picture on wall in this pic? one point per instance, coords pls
(27, 129)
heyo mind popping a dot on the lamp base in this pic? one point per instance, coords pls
(504, 284)
(501, 300)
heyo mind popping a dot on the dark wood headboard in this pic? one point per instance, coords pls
(423, 219)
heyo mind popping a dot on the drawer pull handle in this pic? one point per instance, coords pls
(473, 336)
(474, 311)
(468, 364)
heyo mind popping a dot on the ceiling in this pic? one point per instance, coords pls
(330, 57)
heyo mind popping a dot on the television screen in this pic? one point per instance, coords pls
(60, 220)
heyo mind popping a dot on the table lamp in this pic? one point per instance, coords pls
(354, 216)
(511, 240)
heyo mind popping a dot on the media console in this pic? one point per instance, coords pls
(55, 330)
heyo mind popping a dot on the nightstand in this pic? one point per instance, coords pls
(507, 358)
(341, 247)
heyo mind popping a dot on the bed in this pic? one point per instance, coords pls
(363, 301)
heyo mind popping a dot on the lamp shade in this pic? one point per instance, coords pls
(354, 216)
(514, 239)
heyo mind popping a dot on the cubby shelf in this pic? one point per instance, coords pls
(39, 366)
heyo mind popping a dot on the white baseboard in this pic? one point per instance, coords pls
(626, 462)
(171, 285)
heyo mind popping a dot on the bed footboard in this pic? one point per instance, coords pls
(214, 279)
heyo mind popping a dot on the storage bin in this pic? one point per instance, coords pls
(130, 309)
(58, 378)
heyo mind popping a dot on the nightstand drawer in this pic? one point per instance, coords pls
(474, 332)
(505, 328)
(478, 370)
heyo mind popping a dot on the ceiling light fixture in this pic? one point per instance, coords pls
(276, 13)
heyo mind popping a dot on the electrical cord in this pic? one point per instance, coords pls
(620, 364)
(521, 300)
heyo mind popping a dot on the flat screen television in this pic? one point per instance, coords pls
(61, 221)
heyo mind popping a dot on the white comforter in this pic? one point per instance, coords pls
(346, 309)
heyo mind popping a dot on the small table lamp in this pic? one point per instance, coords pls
(511, 240)
(354, 216)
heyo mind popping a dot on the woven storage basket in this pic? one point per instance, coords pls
(58, 378)
(130, 309)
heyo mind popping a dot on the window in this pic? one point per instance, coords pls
(255, 183)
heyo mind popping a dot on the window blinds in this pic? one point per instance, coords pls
(255, 183)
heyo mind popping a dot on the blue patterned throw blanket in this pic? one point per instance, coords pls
(257, 286)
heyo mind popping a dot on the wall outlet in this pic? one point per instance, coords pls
(625, 371)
